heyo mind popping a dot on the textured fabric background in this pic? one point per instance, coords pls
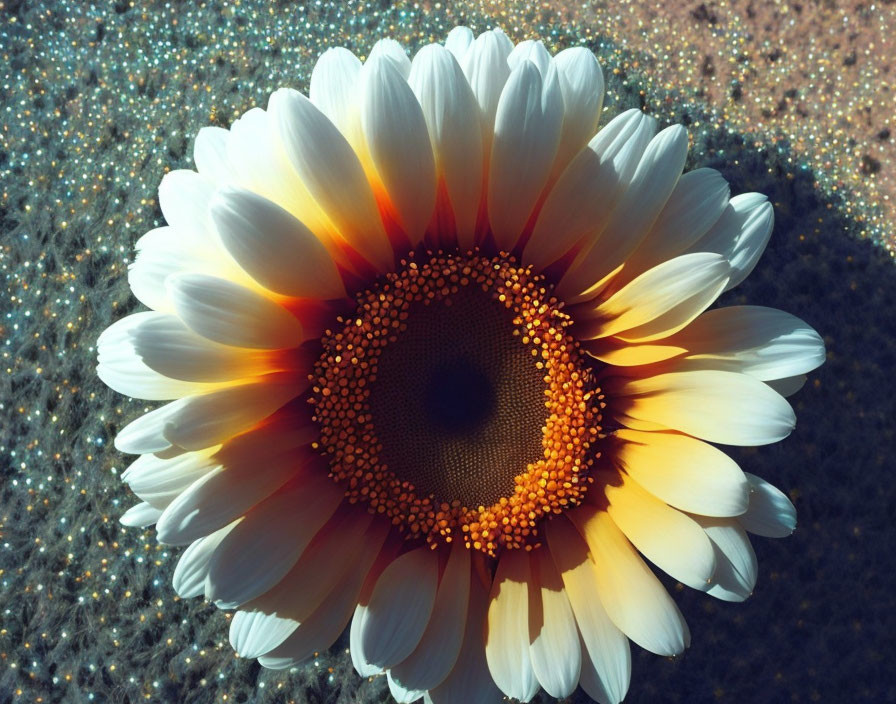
(99, 100)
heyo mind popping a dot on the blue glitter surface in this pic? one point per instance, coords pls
(101, 99)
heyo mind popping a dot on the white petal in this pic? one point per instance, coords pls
(770, 513)
(530, 50)
(507, 634)
(392, 51)
(662, 300)
(334, 85)
(394, 620)
(206, 420)
(140, 516)
(253, 557)
(527, 132)
(606, 656)
(723, 407)
(736, 566)
(275, 248)
(146, 433)
(210, 154)
(741, 234)
(582, 85)
(184, 197)
(555, 649)
(162, 252)
(319, 630)
(435, 655)
(248, 474)
(485, 66)
(651, 185)
(333, 556)
(763, 342)
(261, 165)
(169, 347)
(633, 597)
(458, 42)
(668, 538)
(470, 681)
(121, 367)
(697, 202)
(232, 314)
(788, 386)
(159, 481)
(192, 567)
(580, 201)
(397, 137)
(682, 471)
(452, 118)
(331, 172)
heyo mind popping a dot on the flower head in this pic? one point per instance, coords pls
(440, 366)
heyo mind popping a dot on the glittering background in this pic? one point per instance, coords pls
(100, 99)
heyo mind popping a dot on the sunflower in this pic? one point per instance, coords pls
(440, 367)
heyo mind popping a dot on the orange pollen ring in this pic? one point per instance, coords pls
(347, 371)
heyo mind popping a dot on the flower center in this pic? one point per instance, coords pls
(455, 403)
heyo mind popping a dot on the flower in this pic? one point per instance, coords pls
(440, 366)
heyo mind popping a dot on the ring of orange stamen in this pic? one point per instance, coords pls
(347, 371)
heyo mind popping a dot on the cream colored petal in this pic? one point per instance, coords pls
(696, 203)
(192, 567)
(618, 353)
(582, 85)
(394, 52)
(159, 481)
(486, 69)
(216, 416)
(770, 513)
(334, 89)
(210, 154)
(788, 386)
(741, 234)
(331, 558)
(470, 681)
(396, 134)
(651, 185)
(527, 131)
(581, 200)
(231, 314)
(273, 247)
(606, 656)
(507, 635)
(253, 558)
(452, 117)
(439, 647)
(682, 471)
(763, 342)
(121, 367)
(400, 607)
(530, 50)
(458, 42)
(633, 597)
(554, 639)
(227, 493)
(146, 433)
(140, 516)
(736, 566)
(321, 629)
(330, 170)
(722, 407)
(662, 300)
(165, 344)
(668, 538)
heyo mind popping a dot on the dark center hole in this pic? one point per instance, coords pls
(459, 397)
